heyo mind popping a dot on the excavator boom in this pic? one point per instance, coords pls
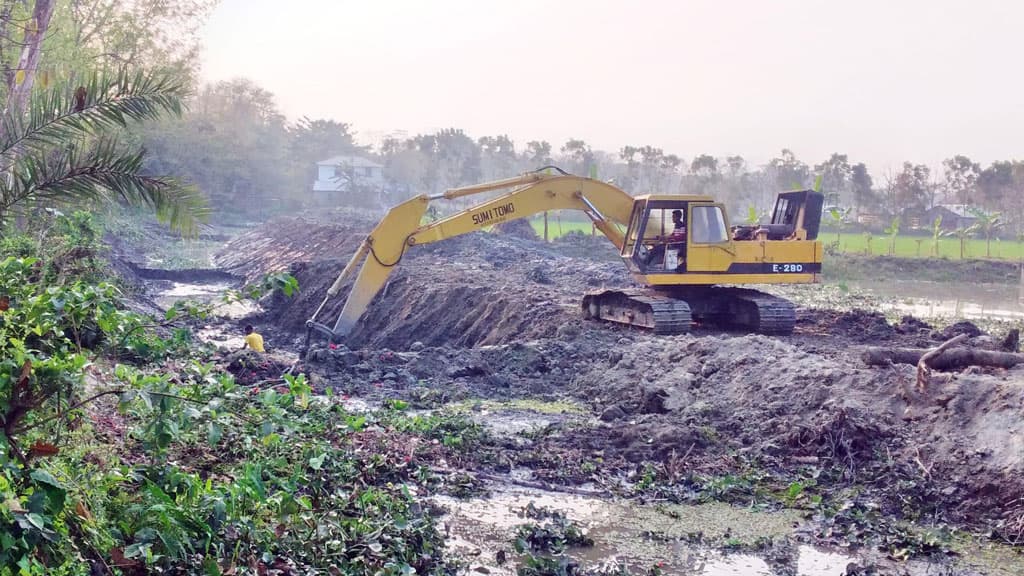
(402, 228)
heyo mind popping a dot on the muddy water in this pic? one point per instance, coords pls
(643, 535)
(166, 293)
(949, 299)
(640, 536)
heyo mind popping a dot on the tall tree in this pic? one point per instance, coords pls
(21, 78)
(538, 153)
(704, 173)
(861, 186)
(310, 141)
(910, 188)
(580, 156)
(836, 174)
(233, 145)
(961, 179)
(789, 172)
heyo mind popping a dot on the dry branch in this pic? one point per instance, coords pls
(924, 365)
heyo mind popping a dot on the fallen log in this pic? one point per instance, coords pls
(951, 359)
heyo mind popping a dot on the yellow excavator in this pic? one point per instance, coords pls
(682, 249)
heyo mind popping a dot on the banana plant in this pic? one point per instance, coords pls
(840, 218)
(754, 217)
(893, 231)
(936, 234)
(963, 234)
(988, 223)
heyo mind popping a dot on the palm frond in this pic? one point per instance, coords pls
(101, 103)
(101, 170)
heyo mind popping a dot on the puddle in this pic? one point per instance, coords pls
(949, 299)
(640, 536)
(166, 293)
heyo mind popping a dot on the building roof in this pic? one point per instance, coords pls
(353, 161)
(961, 210)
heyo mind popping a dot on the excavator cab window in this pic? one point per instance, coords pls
(707, 225)
(654, 241)
(635, 228)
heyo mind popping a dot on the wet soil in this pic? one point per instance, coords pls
(496, 316)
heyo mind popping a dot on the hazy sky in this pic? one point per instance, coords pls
(882, 81)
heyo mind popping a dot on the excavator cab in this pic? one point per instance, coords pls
(673, 234)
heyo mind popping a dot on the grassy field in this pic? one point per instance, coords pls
(557, 228)
(906, 246)
(921, 246)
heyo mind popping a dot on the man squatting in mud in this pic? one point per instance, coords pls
(252, 339)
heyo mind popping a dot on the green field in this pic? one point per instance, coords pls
(557, 227)
(922, 247)
(906, 246)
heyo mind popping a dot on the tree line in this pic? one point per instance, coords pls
(238, 147)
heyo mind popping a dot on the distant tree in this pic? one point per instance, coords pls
(498, 156)
(910, 188)
(650, 164)
(704, 172)
(579, 154)
(458, 156)
(628, 154)
(669, 167)
(861, 185)
(996, 183)
(538, 153)
(836, 175)
(961, 176)
(310, 141)
(789, 172)
(232, 144)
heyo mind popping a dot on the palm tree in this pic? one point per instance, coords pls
(64, 148)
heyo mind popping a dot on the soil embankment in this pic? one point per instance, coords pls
(496, 316)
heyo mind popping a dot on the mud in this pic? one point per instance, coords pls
(496, 316)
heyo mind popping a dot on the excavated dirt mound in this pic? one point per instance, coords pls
(473, 290)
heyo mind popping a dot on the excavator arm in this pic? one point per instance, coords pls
(401, 229)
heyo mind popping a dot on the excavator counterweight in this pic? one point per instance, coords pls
(679, 249)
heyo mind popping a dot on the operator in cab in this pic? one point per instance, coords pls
(678, 228)
(676, 240)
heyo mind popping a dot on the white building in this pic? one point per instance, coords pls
(348, 173)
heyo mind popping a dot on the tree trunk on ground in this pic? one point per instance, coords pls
(952, 359)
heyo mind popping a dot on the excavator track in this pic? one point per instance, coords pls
(675, 311)
(643, 308)
(753, 310)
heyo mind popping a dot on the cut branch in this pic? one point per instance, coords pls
(924, 365)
